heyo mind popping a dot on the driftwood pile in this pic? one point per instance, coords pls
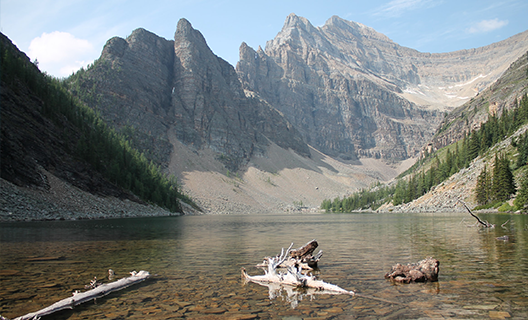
(422, 271)
(293, 276)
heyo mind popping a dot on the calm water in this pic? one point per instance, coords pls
(197, 260)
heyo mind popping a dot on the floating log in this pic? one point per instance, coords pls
(422, 271)
(98, 291)
(293, 277)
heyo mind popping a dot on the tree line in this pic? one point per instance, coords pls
(457, 156)
(101, 146)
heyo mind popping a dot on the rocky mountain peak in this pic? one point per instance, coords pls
(298, 34)
(294, 21)
(184, 29)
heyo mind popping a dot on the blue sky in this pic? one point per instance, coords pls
(67, 34)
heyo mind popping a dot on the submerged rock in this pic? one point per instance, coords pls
(422, 271)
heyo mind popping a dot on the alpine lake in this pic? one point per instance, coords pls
(195, 265)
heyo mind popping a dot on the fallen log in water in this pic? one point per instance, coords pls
(81, 297)
(486, 224)
(293, 277)
(422, 271)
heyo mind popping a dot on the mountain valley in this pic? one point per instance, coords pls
(319, 113)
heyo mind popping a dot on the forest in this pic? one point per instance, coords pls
(107, 151)
(493, 187)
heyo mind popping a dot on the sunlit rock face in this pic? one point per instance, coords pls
(349, 89)
(342, 88)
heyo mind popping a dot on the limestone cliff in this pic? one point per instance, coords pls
(291, 116)
(160, 87)
(349, 89)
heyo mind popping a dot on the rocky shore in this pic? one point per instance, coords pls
(63, 201)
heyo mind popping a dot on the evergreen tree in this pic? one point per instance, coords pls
(473, 145)
(399, 193)
(522, 147)
(503, 184)
(482, 189)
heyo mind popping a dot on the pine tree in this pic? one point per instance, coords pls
(482, 189)
(473, 145)
(503, 184)
(399, 193)
(522, 147)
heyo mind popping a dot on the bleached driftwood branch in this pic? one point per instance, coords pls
(293, 277)
(81, 297)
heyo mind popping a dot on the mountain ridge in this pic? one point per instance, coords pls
(344, 82)
(339, 89)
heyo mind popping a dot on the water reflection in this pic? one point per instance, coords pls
(197, 260)
(292, 295)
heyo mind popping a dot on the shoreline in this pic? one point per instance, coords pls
(66, 202)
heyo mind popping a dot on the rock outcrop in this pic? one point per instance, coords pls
(42, 177)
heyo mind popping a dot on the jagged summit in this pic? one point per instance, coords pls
(181, 89)
(295, 21)
(298, 34)
(186, 30)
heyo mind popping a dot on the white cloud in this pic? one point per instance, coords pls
(396, 8)
(61, 53)
(487, 25)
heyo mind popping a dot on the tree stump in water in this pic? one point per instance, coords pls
(422, 271)
(302, 257)
(305, 254)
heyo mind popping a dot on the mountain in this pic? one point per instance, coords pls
(502, 95)
(504, 99)
(348, 88)
(56, 154)
(319, 113)
(163, 88)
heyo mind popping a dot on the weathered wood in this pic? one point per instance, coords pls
(305, 250)
(293, 277)
(422, 271)
(302, 257)
(484, 223)
(81, 297)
